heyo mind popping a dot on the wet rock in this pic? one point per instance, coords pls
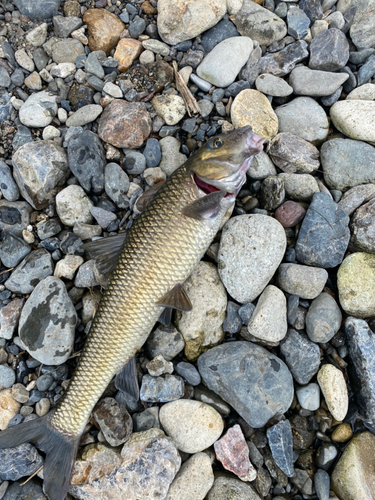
(161, 389)
(232, 451)
(226, 487)
(280, 440)
(202, 326)
(114, 421)
(324, 234)
(333, 386)
(145, 468)
(355, 283)
(18, 462)
(86, 157)
(12, 249)
(104, 29)
(251, 107)
(342, 433)
(125, 124)
(9, 316)
(361, 342)
(127, 51)
(353, 474)
(47, 323)
(35, 267)
(193, 480)
(40, 168)
(355, 118)
(301, 356)
(329, 50)
(73, 206)
(246, 245)
(282, 62)
(256, 374)
(38, 110)
(178, 22)
(192, 425)
(323, 319)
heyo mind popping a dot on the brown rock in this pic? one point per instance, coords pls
(104, 29)
(125, 124)
(72, 8)
(9, 316)
(114, 421)
(342, 433)
(290, 214)
(127, 51)
(149, 9)
(232, 451)
(8, 408)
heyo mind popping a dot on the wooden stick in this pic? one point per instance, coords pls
(189, 100)
(32, 475)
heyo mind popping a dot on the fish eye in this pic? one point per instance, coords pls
(217, 143)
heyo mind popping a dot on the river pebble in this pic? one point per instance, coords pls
(323, 319)
(333, 386)
(301, 356)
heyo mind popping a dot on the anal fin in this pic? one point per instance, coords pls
(127, 379)
(205, 208)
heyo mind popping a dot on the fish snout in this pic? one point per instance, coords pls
(254, 143)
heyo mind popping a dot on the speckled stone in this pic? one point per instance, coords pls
(227, 487)
(355, 119)
(114, 421)
(18, 462)
(333, 386)
(9, 407)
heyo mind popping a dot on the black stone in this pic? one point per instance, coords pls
(32, 490)
(301, 356)
(221, 31)
(283, 62)
(71, 244)
(80, 95)
(293, 303)
(48, 228)
(236, 87)
(51, 244)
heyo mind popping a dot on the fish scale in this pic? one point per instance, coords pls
(160, 251)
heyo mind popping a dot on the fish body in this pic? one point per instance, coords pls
(159, 253)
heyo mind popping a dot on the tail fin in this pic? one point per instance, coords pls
(60, 450)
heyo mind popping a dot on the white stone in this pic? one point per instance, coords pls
(251, 249)
(273, 85)
(269, 322)
(24, 60)
(38, 110)
(233, 6)
(365, 92)
(63, 70)
(62, 115)
(113, 90)
(309, 396)
(147, 57)
(169, 107)
(38, 35)
(223, 63)
(73, 205)
(355, 118)
(335, 392)
(50, 133)
(66, 267)
(84, 115)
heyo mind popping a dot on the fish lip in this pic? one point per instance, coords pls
(254, 143)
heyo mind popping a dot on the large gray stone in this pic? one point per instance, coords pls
(293, 154)
(47, 323)
(39, 110)
(12, 249)
(35, 267)
(38, 10)
(263, 383)
(329, 51)
(306, 81)
(362, 30)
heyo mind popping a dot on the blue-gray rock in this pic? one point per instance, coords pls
(7, 376)
(152, 153)
(329, 51)
(137, 27)
(44, 382)
(48, 228)
(325, 455)
(147, 419)
(312, 8)
(281, 63)
(86, 158)
(116, 184)
(366, 71)
(221, 31)
(298, 23)
(18, 77)
(40, 58)
(301, 356)
(125, 18)
(166, 341)
(161, 389)
(14, 216)
(309, 396)
(232, 322)
(360, 56)
(245, 312)
(322, 484)
(361, 343)
(4, 77)
(103, 217)
(324, 234)
(280, 440)
(47, 323)
(188, 372)
(347, 163)
(292, 308)
(332, 98)
(18, 462)
(351, 82)
(22, 136)
(257, 375)
(32, 490)
(12, 249)
(93, 66)
(7, 185)
(323, 319)
(6, 107)
(37, 11)
(251, 70)
(135, 162)
(63, 26)
(40, 168)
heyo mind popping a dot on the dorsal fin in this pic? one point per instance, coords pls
(148, 196)
(105, 252)
(205, 208)
(176, 299)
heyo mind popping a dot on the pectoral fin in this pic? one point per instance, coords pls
(166, 316)
(148, 196)
(176, 299)
(127, 379)
(205, 208)
(105, 252)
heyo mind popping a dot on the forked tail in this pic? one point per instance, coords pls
(60, 450)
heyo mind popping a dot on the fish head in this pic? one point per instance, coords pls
(221, 164)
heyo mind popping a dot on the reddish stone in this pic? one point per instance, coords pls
(125, 124)
(290, 213)
(104, 29)
(232, 451)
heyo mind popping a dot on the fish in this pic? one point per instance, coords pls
(148, 268)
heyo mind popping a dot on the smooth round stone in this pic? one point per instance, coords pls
(222, 65)
(7, 377)
(306, 81)
(268, 321)
(365, 92)
(355, 119)
(146, 57)
(342, 433)
(228, 487)
(113, 90)
(39, 110)
(156, 46)
(182, 21)
(261, 167)
(35, 267)
(251, 107)
(300, 187)
(50, 133)
(73, 205)
(273, 85)
(293, 154)
(67, 51)
(304, 281)
(246, 249)
(4, 77)
(192, 425)
(290, 213)
(353, 475)
(355, 281)
(194, 479)
(24, 60)
(169, 107)
(84, 115)
(335, 392)
(323, 319)
(322, 484)
(292, 118)
(309, 396)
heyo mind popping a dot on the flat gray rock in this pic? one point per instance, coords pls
(35, 267)
(356, 197)
(306, 81)
(263, 383)
(323, 319)
(301, 356)
(280, 439)
(293, 154)
(362, 30)
(8, 187)
(304, 281)
(273, 85)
